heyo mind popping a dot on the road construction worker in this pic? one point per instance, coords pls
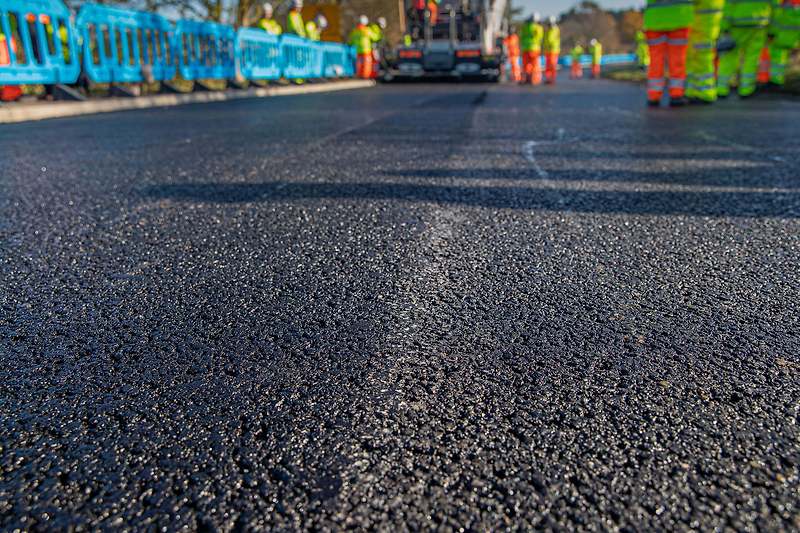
(530, 37)
(294, 20)
(433, 9)
(700, 72)
(745, 23)
(376, 28)
(596, 49)
(315, 27)
(642, 51)
(785, 30)
(511, 44)
(666, 24)
(552, 48)
(407, 40)
(9, 93)
(267, 23)
(361, 40)
(576, 69)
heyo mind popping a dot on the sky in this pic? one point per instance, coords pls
(555, 7)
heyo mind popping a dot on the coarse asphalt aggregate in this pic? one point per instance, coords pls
(415, 306)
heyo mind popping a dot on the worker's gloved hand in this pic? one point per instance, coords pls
(725, 43)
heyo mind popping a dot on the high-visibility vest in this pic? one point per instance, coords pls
(270, 26)
(576, 53)
(377, 33)
(361, 39)
(707, 19)
(294, 23)
(530, 37)
(747, 14)
(512, 45)
(665, 15)
(642, 50)
(552, 40)
(312, 31)
(597, 53)
(785, 24)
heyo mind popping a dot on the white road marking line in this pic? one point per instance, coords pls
(527, 151)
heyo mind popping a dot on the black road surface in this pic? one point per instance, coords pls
(417, 306)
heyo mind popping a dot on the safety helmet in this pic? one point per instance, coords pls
(44, 19)
(297, 4)
(382, 23)
(537, 17)
(363, 20)
(552, 19)
(593, 41)
(322, 22)
(267, 9)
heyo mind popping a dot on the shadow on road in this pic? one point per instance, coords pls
(699, 203)
(754, 176)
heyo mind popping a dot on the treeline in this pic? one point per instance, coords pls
(615, 29)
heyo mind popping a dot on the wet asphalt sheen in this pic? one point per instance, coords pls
(409, 307)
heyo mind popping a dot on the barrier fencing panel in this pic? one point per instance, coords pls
(258, 54)
(206, 50)
(618, 59)
(299, 57)
(125, 46)
(37, 43)
(610, 59)
(336, 60)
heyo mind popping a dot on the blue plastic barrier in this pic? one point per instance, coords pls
(610, 59)
(618, 59)
(300, 57)
(119, 45)
(337, 60)
(41, 50)
(258, 54)
(205, 50)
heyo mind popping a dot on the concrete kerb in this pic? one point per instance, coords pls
(46, 110)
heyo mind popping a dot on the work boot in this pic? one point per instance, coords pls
(680, 101)
(699, 101)
(654, 103)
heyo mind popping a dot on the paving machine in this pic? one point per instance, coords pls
(459, 39)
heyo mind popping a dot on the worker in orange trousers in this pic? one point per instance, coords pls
(513, 53)
(552, 49)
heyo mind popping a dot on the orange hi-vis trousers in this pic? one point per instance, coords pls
(763, 66)
(516, 70)
(667, 47)
(551, 66)
(533, 69)
(595, 70)
(364, 66)
(576, 69)
(8, 93)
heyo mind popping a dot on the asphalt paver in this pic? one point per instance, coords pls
(416, 306)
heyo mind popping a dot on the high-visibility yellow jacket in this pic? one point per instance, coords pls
(597, 53)
(270, 26)
(377, 33)
(530, 37)
(312, 31)
(294, 23)
(785, 24)
(666, 15)
(576, 53)
(746, 14)
(552, 40)
(361, 39)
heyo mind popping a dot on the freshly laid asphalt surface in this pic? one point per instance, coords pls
(409, 307)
